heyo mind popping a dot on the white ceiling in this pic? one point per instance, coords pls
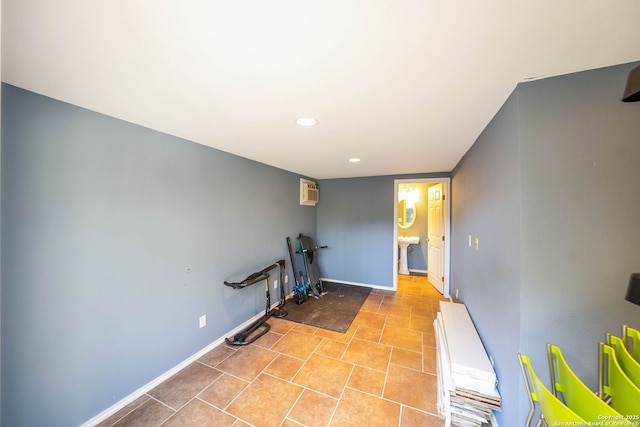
(406, 85)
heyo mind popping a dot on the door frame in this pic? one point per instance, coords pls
(447, 228)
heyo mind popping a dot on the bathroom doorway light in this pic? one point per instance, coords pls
(306, 121)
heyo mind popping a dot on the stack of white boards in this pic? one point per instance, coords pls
(467, 392)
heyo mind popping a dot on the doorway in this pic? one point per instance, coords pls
(427, 201)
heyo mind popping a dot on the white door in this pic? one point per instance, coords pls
(435, 258)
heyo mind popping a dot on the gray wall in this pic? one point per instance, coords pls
(356, 220)
(551, 189)
(485, 198)
(580, 213)
(115, 239)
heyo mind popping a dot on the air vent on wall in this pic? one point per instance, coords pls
(309, 192)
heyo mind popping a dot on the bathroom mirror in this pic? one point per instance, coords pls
(406, 214)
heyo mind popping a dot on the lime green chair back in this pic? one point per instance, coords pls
(577, 396)
(628, 364)
(553, 410)
(631, 337)
(614, 383)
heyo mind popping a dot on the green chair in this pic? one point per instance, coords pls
(628, 364)
(614, 384)
(577, 396)
(631, 337)
(553, 410)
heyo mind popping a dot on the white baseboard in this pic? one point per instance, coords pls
(157, 381)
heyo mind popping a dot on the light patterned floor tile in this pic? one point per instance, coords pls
(266, 401)
(324, 375)
(360, 409)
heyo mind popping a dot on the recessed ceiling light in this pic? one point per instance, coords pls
(354, 159)
(306, 121)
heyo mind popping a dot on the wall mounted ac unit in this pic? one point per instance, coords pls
(309, 192)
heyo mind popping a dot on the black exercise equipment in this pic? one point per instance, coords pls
(308, 249)
(263, 275)
(300, 289)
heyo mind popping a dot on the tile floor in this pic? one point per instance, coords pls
(380, 373)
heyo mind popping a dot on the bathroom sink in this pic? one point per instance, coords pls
(404, 242)
(408, 240)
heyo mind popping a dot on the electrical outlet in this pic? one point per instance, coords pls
(286, 279)
(457, 290)
(476, 244)
(203, 320)
(275, 284)
(469, 240)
